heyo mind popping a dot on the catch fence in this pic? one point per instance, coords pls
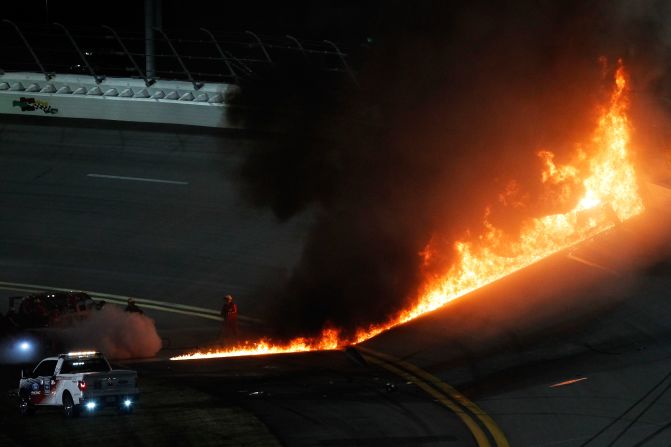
(197, 56)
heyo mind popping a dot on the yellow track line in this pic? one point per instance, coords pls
(450, 391)
(183, 309)
(475, 429)
(455, 394)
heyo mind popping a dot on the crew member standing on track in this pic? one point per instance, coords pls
(229, 313)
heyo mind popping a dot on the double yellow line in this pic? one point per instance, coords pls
(164, 306)
(478, 422)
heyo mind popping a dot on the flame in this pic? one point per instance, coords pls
(329, 339)
(610, 195)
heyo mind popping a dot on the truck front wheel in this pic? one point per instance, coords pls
(70, 410)
(25, 407)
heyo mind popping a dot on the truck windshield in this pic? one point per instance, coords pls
(74, 366)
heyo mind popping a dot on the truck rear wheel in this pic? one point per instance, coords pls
(70, 410)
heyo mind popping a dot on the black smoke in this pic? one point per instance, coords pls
(454, 101)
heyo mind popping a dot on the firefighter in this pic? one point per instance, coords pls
(132, 307)
(229, 314)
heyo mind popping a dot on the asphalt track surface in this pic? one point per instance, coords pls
(573, 351)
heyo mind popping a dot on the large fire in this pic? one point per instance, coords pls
(602, 169)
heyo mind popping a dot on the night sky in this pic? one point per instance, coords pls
(313, 19)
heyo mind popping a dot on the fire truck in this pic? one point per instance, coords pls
(33, 324)
(77, 382)
(50, 309)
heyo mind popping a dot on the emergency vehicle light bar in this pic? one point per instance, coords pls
(80, 354)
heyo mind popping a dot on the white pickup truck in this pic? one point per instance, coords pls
(77, 381)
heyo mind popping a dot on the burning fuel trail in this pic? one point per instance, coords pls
(600, 185)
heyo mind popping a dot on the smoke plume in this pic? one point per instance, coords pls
(454, 103)
(117, 334)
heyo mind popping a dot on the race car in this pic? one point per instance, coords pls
(77, 381)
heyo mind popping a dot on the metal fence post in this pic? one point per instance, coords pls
(298, 44)
(239, 63)
(221, 53)
(97, 78)
(263, 47)
(149, 48)
(344, 62)
(48, 76)
(196, 85)
(148, 82)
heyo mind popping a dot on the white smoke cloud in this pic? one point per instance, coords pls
(116, 333)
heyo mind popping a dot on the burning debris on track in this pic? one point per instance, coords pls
(603, 186)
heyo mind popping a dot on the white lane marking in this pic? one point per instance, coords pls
(138, 179)
(591, 264)
(209, 314)
(202, 312)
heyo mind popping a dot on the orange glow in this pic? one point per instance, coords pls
(568, 382)
(329, 340)
(602, 169)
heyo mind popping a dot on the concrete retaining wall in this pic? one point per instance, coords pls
(118, 99)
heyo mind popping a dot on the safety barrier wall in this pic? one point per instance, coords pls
(118, 99)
